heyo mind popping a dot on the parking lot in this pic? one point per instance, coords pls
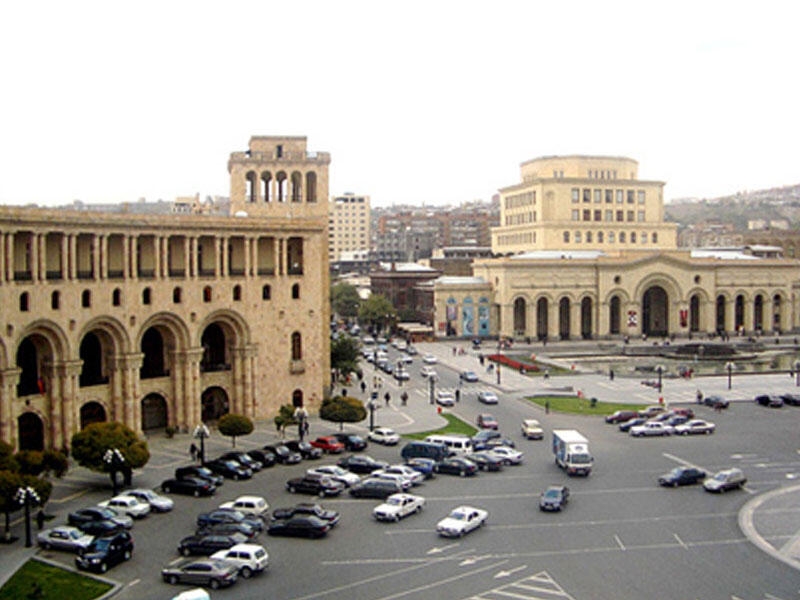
(620, 536)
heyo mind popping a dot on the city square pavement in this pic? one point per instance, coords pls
(771, 520)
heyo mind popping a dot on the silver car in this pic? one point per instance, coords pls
(65, 537)
(209, 572)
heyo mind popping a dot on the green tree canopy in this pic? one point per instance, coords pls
(285, 416)
(343, 409)
(90, 445)
(345, 300)
(344, 354)
(233, 425)
(377, 310)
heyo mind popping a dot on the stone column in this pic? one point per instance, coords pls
(730, 315)
(73, 257)
(95, 257)
(218, 257)
(248, 245)
(62, 398)
(40, 268)
(9, 378)
(243, 378)
(189, 402)
(575, 320)
(10, 257)
(193, 262)
(133, 254)
(103, 275)
(553, 321)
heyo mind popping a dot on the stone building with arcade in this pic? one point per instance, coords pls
(583, 252)
(168, 320)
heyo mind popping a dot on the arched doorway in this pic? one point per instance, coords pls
(91, 353)
(297, 398)
(215, 404)
(154, 412)
(758, 313)
(655, 309)
(541, 318)
(614, 316)
(30, 431)
(738, 313)
(564, 318)
(694, 313)
(720, 323)
(213, 342)
(520, 317)
(92, 412)
(28, 361)
(153, 363)
(586, 318)
(776, 313)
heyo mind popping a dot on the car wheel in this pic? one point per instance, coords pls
(321, 493)
(214, 584)
(674, 484)
(197, 493)
(103, 567)
(45, 546)
(396, 518)
(166, 489)
(246, 572)
(127, 555)
(462, 473)
(292, 489)
(235, 478)
(186, 551)
(173, 579)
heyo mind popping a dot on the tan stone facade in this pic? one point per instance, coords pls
(169, 319)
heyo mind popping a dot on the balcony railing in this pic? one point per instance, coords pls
(86, 274)
(22, 276)
(266, 270)
(54, 275)
(177, 272)
(146, 273)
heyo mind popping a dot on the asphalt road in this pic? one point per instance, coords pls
(620, 537)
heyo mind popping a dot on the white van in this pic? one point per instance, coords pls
(456, 444)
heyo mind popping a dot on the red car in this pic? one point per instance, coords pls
(328, 443)
(487, 421)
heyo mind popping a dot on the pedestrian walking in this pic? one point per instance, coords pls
(387, 397)
(547, 407)
(699, 397)
(40, 519)
(193, 451)
(611, 374)
(305, 426)
(458, 395)
(363, 387)
(404, 398)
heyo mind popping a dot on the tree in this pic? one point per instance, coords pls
(90, 445)
(343, 409)
(377, 310)
(344, 355)
(56, 462)
(7, 460)
(285, 417)
(234, 425)
(345, 300)
(30, 462)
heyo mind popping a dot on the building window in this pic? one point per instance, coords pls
(177, 295)
(576, 195)
(620, 196)
(566, 237)
(640, 196)
(609, 215)
(655, 237)
(587, 195)
(207, 294)
(630, 196)
(296, 291)
(611, 238)
(146, 296)
(55, 300)
(116, 297)
(633, 237)
(620, 215)
(640, 216)
(24, 302)
(266, 293)
(643, 238)
(86, 299)
(621, 237)
(609, 196)
(577, 237)
(598, 196)
(587, 215)
(588, 237)
(599, 237)
(630, 216)
(576, 215)
(237, 293)
(297, 346)
(598, 215)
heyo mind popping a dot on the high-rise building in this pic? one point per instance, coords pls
(348, 226)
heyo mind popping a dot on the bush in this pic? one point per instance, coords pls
(31, 462)
(55, 462)
(512, 363)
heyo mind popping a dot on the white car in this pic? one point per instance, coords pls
(508, 455)
(384, 435)
(250, 558)
(427, 371)
(398, 506)
(461, 520)
(532, 429)
(487, 397)
(406, 359)
(402, 480)
(651, 428)
(414, 476)
(127, 505)
(249, 505)
(430, 359)
(157, 502)
(64, 537)
(445, 398)
(695, 426)
(336, 473)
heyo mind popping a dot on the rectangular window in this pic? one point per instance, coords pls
(630, 196)
(640, 216)
(620, 196)
(630, 216)
(621, 237)
(655, 237)
(576, 215)
(640, 196)
(587, 195)
(588, 237)
(566, 237)
(598, 196)
(577, 237)
(609, 196)
(643, 238)
(620, 215)
(609, 215)
(598, 215)
(610, 237)
(633, 237)
(599, 237)
(576, 195)
(587, 215)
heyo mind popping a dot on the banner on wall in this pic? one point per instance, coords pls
(483, 317)
(684, 317)
(468, 318)
(633, 318)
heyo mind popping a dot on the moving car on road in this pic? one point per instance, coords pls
(554, 498)
(427, 371)
(468, 376)
(682, 476)
(487, 421)
(384, 435)
(723, 481)
(769, 400)
(398, 506)
(487, 397)
(532, 429)
(461, 520)
(716, 402)
(445, 397)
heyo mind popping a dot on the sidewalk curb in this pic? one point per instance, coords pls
(748, 527)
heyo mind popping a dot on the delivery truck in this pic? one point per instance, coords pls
(571, 450)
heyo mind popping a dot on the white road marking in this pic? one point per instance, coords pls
(509, 572)
(134, 582)
(619, 542)
(680, 541)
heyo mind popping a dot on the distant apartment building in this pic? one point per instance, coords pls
(348, 227)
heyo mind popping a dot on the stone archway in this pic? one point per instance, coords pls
(655, 312)
(30, 431)
(542, 309)
(520, 317)
(694, 313)
(215, 403)
(564, 320)
(92, 412)
(155, 413)
(615, 316)
(586, 318)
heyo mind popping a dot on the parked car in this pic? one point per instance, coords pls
(375, 488)
(695, 426)
(468, 376)
(100, 528)
(445, 397)
(791, 399)
(427, 371)
(398, 506)
(256, 506)
(212, 573)
(620, 416)
(410, 350)
(456, 465)
(106, 552)
(351, 441)
(206, 545)
(242, 527)
(626, 426)
(229, 469)
(487, 397)
(224, 515)
(283, 455)
(652, 411)
(384, 435)
(508, 455)
(189, 486)
(320, 485)
(404, 483)
(423, 465)
(650, 428)
(461, 520)
(716, 402)
(267, 459)
(83, 516)
(157, 502)
(487, 461)
(306, 450)
(127, 505)
(414, 476)
(684, 411)
(725, 480)
(329, 444)
(486, 421)
(532, 429)
(554, 498)
(769, 400)
(300, 526)
(430, 359)
(682, 476)
(490, 438)
(361, 464)
(331, 517)
(250, 559)
(64, 537)
(336, 473)
(243, 459)
(201, 472)
(676, 420)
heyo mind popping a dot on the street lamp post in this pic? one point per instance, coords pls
(729, 366)
(201, 432)
(660, 370)
(432, 388)
(797, 373)
(27, 497)
(371, 405)
(115, 461)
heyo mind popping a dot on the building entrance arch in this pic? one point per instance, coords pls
(564, 321)
(541, 318)
(30, 431)
(655, 312)
(92, 412)
(154, 412)
(520, 317)
(586, 318)
(215, 404)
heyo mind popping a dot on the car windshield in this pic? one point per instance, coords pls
(458, 515)
(552, 494)
(205, 472)
(721, 476)
(676, 472)
(101, 544)
(393, 501)
(581, 459)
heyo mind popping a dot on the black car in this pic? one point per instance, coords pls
(300, 526)
(243, 459)
(200, 473)
(100, 528)
(331, 517)
(361, 464)
(554, 498)
(682, 476)
(620, 416)
(376, 488)
(228, 516)
(243, 528)
(456, 465)
(82, 517)
(487, 461)
(229, 469)
(791, 399)
(206, 545)
(769, 400)
(313, 483)
(490, 438)
(626, 425)
(190, 486)
(283, 455)
(305, 449)
(716, 402)
(267, 459)
(351, 441)
(106, 552)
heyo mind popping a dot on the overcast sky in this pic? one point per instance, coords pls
(418, 102)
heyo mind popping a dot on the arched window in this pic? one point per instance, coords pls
(297, 346)
(24, 302)
(207, 294)
(55, 300)
(266, 293)
(566, 237)
(86, 299)
(311, 187)
(296, 291)
(177, 295)
(237, 293)
(251, 190)
(266, 186)
(146, 296)
(116, 297)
